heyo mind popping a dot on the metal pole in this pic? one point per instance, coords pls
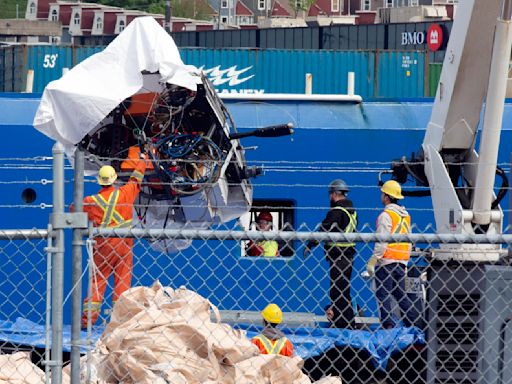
(219, 12)
(30, 81)
(334, 237)
(167, 23)
(58, 264)
(77, 269)
(350, 84)
(493, 117)
(309, 84)
(47, 358)
(229, 12)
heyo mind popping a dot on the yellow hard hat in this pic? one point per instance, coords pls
(272, 313)
(393, 189)
(107, 175)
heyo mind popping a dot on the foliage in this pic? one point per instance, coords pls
(193, 9)
(8, 9)
(301, 5)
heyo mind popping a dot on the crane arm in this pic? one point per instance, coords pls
(461, 181)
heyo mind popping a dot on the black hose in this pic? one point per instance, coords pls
(464, 199)
(418, 193)
(503, 189)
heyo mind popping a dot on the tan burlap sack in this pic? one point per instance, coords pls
(19, 369)
(161, 335)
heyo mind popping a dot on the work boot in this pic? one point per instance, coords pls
(94, 318)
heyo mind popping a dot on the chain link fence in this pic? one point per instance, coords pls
(196, 300)
(460, 333)
(24, 290)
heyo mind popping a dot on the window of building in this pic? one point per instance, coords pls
(32, 8)
(224, 4)
(283, 219)
(76, 19)
(99, 23)
(389, 3)
(335, 5)
(54, 15)
(298, 4)
(224, 19)
(243, 20)
(414, 3)
(121, 25)
(366, 5)
(261, 4)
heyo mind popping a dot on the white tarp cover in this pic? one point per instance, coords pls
(72, 106)
(160, 335)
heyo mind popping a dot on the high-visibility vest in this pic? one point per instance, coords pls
(400, 225)
(272, 347)
(350, 228)
(270, 247)
(111, 218)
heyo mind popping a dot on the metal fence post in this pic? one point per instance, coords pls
(77, 269)
(58, 264)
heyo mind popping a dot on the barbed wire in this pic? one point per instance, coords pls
(202, 234)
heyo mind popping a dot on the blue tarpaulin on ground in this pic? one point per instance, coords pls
(380, 344)
(308, 342)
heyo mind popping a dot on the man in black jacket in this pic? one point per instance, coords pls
(342, 217)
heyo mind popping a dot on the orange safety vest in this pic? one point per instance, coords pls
(113, 207)
(111, 217)
(273, 347)
(399, 225)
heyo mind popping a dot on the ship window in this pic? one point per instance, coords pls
(28, 195)
(283, 219)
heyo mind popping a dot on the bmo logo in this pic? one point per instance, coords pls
(413, 38)
(434, 37)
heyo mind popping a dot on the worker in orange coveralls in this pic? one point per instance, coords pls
(112, 207)
(272, 340)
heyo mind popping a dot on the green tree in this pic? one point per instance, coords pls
(8, 9)
(301, 5)
(192, 9)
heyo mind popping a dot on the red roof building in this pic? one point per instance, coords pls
(81, 20)
(279, 11)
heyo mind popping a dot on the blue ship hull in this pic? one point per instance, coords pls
(331, 140)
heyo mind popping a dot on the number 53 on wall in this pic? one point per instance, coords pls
(50, 60)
